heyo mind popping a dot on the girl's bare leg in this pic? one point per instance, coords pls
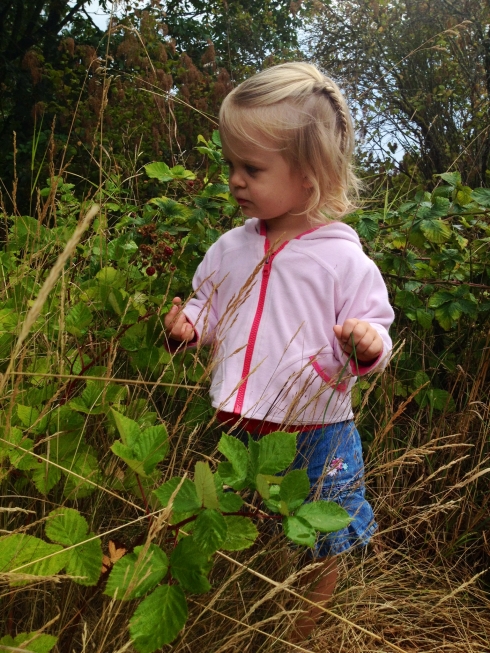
(322, 581)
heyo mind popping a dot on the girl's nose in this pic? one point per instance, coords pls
(236, 179)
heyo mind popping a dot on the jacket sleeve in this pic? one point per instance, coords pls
(201, 309)
(365, 298)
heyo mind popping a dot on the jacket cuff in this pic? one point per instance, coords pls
(358, 368)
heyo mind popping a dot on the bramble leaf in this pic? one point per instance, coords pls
(190, 566)
(236, 452)
(158, 619)
(40, 643)
(159, 170)
(276, 452)
(32, 555)
(241, 533)
(324, 516)
(294, 489)
(137, 573)
(66, 526)
(299, 531)
(204, 482)
(128, 428)
(186, 499)
(209, 531)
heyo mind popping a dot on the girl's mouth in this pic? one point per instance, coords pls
(241, 201)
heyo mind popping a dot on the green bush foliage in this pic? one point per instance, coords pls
(73, 429)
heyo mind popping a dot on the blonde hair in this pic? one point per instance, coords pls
(304, 113)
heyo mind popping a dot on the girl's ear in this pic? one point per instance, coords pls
(306, 182)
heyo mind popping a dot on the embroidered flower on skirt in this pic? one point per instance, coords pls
(336, 466)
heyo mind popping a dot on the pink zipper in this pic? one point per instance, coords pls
(253, 335)
(266, 270)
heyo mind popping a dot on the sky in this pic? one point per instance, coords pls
(98, 15)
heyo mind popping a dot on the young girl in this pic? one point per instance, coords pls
(293, 308)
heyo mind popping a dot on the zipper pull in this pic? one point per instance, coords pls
(267, 266)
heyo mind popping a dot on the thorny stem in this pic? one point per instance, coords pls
(255, 513)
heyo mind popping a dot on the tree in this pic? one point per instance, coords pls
(148, 74)
(419, 74)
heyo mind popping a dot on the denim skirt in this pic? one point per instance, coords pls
(332, 457)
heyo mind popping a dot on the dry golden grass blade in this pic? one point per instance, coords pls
(461, 587)
(290, 645)
(379, 638)
(110, 379)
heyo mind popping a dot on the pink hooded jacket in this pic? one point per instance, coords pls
(270, 318)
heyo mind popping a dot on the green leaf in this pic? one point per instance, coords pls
(407, 300)
(424, 318)
(209, 531)
(447, 315)
(171, 209)
(179, 172)
(159, 171)
(236, 452)
(29, 416)
(19, 549)
(85, 561)
(441, 400)
(111, 278)
(367, 228)
(482, 196)
(324, 516)
(152, 447)
(274, 502)
(190, 566)
(436, 231)
(299, 531)
(204, 482)
(241, 533)
(452, 178)
(229, 501)
(233, 473)
(158, 619)
(66, 526)
(262, 486)
(276, 452)
(40, 643)
(228, 476)
(19, 459)
(78, 319)
(128, 428)
(294, 488)
(186, 499)
(45, 477)
(85, 466)
(137, 573)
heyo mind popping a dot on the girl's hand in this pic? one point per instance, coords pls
(367, 340)
(176, 325)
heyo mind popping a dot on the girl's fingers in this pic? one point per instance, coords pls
(362, 336)
(176, 324)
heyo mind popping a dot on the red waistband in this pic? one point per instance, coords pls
(261, 427)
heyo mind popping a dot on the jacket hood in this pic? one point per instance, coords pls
(331, 230)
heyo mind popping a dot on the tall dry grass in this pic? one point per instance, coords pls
(420, 587)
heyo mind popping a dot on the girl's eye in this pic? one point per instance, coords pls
(252, 170)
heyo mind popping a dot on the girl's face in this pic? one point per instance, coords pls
(264, 183)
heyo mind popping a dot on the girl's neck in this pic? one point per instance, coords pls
(281, 231)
